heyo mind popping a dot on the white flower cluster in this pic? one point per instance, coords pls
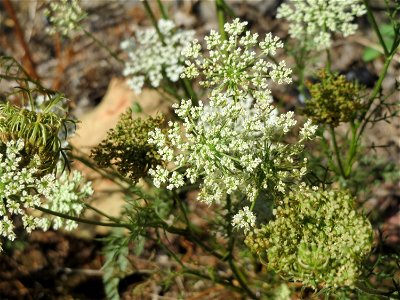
(150, 55)
(234, 145)
(244, 219)
(233, 64)
(313, 22)
(21, 190)
(65, 17)
(66, 196)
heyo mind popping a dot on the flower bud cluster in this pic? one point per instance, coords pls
(126, 146)
(234, 143)
(65, 17)
(313, 22)
(317, 237)
(23, 189)
(153, 54)
(334, 100)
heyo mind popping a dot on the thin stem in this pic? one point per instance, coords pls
(171, 91)
(186, 84)
(190, 271)
(153, 20)
(81, 220)
(189, 90)
(173, 255)
(30, 64)
(228, 9)
(353, 149)
(300, 67)
(375, 26)
(116, 220)
(242, 281)
(162, 9)
(221, 18)
(328, 61)
(375, 93)
(231, 245)
(104, 46)
(212, 279)
(337, 152)
(192, 237)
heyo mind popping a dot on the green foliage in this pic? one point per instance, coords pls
(126, 147)
(39, 130)
(116, 262)
(333, 99)
(388, 35)
(39, 119)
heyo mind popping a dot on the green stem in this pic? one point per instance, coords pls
(193, 238)
(104, 46)
(337, 152)
(352, 151)
(231, 245)
(374, 94)
(171, 91)
(153, 20)
(162, 9)
(328, 61)
(300, 67)
(221, 18)
(242, 281)
(116, 220)
(212, 279)
(189, 91)
(81, 220)
(190, 271)
(375, 26)
(186, 84)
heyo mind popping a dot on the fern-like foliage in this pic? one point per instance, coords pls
(34, 114)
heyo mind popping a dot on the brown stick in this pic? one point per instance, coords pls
(28, 62)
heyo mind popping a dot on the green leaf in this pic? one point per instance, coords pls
(139, 245)
(387, 30)
(370, 54)
(136, 108)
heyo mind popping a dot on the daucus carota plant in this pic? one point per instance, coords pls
(65, 17)
(127, 148)
(317, 237)
(281, 219)
(314, 22)
(334, 100)
(25, 192)
(44, 129)
(153, 54)
(234, 143)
